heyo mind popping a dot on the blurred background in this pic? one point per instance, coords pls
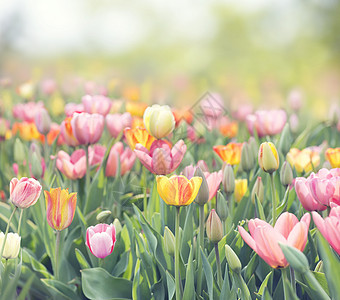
(175, 51)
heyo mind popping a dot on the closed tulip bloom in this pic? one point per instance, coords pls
(241, 186)
(27, 111)
(169, 241)
(264, 239)
(71, 108)
(138, 135)
(333, 156)
(43, 121)
(125, 156)
(116, 123)
(231, 153)
(12, 246)
(203, 194)
(96, 104)
(330, 227)
(87, 128)
(24, 192)
(74, 166)
(67, 133)
(161, 159)
(258, 190)
(214, 227)
(61, 206)
(159, 120)
(286, 174)
(101, 239)
(268, 157)
(247, 157)
(228, 179)
(305, 196)
(303, 160)
(178, 190)
(325, 186)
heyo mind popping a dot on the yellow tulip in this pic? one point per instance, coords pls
(138, 135)
(177, 190)
(333, 156)
(303, 160)
(268, 157)
(241, 186)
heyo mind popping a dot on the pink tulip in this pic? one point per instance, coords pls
(264, 239)
(303, 193)
(161, 159)
(214, 180)
(330, 227)
(96, 154)
(87, 128)
(325, 186)
(266, 122)
(15, 167)
(93, 88)
(126, 157)
(48, 86)
(43, 121)
(116, 123)
(71, 108)
(24, 192)
(97, 104)
(101, 239)
(74, 166)
(27, 111)
(242, 112)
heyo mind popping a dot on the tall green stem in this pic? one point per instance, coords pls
(57, 244)
(87, 169)
(20, 219)
(46, 152)
(292, 279)
(284, 272)
(177, 274)
(273, 198)
(6, 232)
(145, 200)
(201, 245)
(218, 265)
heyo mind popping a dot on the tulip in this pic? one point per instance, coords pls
(125, 156)
(247, 158)
(60, 207)
(138, 135)
(87, 128)
(26, 90)
(305, 196)
(231, 153)
(184, 114)
(101, 239)
(67, 132)
(37, 167)
(203, 193)
(228, 179)
(214, 180)
(24, 192)
(330, 227)
(325, 186)
(242, 111)
(12, 245)
(48, 86)
(295, 99)
(221, 207)
(103, 215)
(333, 156)
(178, 190)
(27, 111)
(258, 190)
(43, 121)
(136, 109)
(286, 174)
(214, 227)
(169, 241)
(268, 157)
(71, 108)
(97, 104)
(270, 122)
(228, 128)
(161, 159)
(116, 123)
(159, 120)
(241, 186)
(264, 239)
(53, 134)
(303, 161)
(96, 154)
(74, 166)
(27, 131)
(232, 259)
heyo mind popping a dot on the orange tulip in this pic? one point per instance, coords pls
(177, 190)
(228, 128)
(183, 114)
(333, 156)
(303, 160)
(136, 108)
(138, 135)
(61, 207)
(27, 131)
(231, 153)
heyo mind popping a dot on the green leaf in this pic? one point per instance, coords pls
(26, 288)
(37, 266)
(321, 278)
(122, 264)
(99, 284)
(171, 285)
(208, 275)
(259, 209)
(189, 289)
(81, 259)
(60, 289)
(264, 284)
(266, 295)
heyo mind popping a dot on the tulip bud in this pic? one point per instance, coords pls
(159, 120)
(247, 158)
(228, 179)
(285, 140)
(19, 151)
(258, 190)
(232, 259)
(116, 223)
(222, 206)
(286, 174)
(253, 145)
(37, 169)
(241, 186)
(103, 216)
(12, 245)
(214, 227)
(203, 193)
(268, 157)
(169, 241)
(43, 121)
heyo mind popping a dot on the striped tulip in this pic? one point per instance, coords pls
(138, 135)
(24, 192)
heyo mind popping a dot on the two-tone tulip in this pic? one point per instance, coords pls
(230, 154)
(24, 192)
(138, 135)
(101, 239)
(268, 157)
(67, 132)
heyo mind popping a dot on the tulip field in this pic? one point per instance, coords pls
(106, 196)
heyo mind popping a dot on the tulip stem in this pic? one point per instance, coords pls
(57, 243)
(284, 272)
(177, 244)
(6, 232)
(273, 198)
(46, 151)
(292, 279)
(218, 265)
(201, 245)
(20, 219)
(87, 186)
(145, 200)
